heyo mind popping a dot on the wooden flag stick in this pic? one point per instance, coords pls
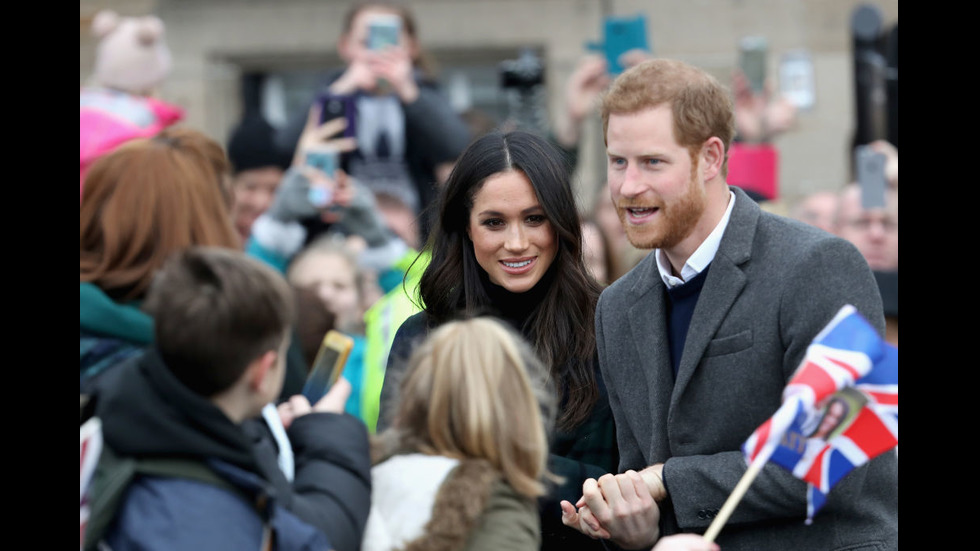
(729, 507)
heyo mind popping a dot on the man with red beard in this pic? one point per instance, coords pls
(697, 342)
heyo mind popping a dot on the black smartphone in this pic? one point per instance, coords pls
(333, 106)
(328, 365)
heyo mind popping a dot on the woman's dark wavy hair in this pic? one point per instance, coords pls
(561, 326)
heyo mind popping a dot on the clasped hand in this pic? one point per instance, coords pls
(617, 507)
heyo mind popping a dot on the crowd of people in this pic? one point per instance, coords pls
(530, 370)
(870, 225)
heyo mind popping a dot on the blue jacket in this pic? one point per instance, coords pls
(175, 513)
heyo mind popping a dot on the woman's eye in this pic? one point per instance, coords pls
(537, 219)
(493, 222)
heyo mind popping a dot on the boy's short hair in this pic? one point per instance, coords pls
(216, 310)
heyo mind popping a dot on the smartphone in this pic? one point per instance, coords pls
(384, 30)
(325, 160)
(333, 106)
(328, 365)
(796, 82)
(870, 166)
(620, 35)
(753, 51)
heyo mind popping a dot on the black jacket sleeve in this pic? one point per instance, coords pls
(332, 485)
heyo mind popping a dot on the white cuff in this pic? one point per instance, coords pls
(286, 462)
(383, 257)
(283, 238)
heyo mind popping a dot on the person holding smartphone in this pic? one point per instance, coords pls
(329, 267)
(407, 134)
(761, 112)
(199, 395)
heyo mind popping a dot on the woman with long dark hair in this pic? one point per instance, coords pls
(507, 242)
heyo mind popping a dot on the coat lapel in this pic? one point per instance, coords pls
(647, 316)
(722, 287)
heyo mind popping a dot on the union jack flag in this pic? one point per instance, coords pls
(850, 366)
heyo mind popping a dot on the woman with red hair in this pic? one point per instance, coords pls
(144, 201)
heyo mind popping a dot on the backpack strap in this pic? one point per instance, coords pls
(115, 473)
(174, 467)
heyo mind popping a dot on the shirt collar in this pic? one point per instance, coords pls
(702, 256)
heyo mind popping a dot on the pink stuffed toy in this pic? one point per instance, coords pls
(132, 60)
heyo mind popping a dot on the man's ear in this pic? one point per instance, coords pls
(712, 157)
(260, 369)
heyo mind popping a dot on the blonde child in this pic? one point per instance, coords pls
(464, 460)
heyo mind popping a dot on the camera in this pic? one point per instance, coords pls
(522, 73)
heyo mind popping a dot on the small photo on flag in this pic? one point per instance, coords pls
(838, 413)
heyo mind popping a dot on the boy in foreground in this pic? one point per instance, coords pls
(222, 325)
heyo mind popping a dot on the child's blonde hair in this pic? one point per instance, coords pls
(474, 389)
(335, 245)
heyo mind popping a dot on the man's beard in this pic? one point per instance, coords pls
(676, 221)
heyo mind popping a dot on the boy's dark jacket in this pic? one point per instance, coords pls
(146, 412)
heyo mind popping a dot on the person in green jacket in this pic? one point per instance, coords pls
(381, 322)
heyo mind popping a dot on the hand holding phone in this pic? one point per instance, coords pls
(621, 35)
(334, 401)
(326, 160)
(328, 365)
